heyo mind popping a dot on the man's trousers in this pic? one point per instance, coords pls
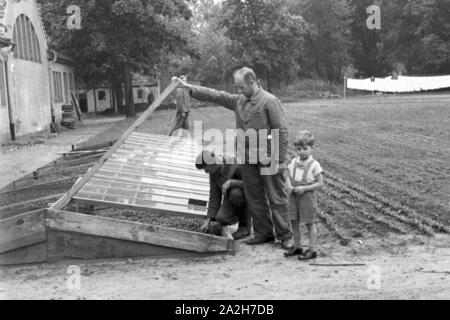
(268, 202)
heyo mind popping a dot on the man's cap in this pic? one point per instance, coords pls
(205, 158)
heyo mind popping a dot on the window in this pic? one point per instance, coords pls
(57, 87)
(72, 82)
(27, 43)
(101, 95)
(66, 88)
(3, 97)
(140, 93)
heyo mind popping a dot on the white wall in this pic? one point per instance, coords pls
(28, 81)
(102, 105)
(67, 99)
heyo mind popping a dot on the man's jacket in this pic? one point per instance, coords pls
(261, 111)
(231, 172)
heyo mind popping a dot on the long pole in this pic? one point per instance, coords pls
(345, 86)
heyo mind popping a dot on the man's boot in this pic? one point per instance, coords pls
(242, 233)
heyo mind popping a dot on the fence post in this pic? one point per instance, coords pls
(345, 86)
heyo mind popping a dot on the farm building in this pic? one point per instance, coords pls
(102, 98)
(34, 82)
(95, 100)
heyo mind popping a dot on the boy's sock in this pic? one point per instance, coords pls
(312, 230)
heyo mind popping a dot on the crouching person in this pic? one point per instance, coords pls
(227, 203)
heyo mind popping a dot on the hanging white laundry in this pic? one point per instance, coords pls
(401, 84)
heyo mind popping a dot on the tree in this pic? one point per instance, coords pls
(117, 37)
(264, 36)
(414, 37)
(421, 37)
(215, 62)
(367, 44)
(328, 37)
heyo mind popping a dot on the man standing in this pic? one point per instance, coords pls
(227, 204)
(266, 195)
(183, 108)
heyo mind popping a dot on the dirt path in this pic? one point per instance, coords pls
(17, 162)
(411, 267)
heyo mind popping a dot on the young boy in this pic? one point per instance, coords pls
(305, 176)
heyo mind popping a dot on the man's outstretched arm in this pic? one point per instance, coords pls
(222, 98)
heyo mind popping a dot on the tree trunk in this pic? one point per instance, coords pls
(119, 96)
(113, 96)
(130, 111)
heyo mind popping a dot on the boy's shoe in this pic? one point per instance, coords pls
(308, 255)
(293, 251)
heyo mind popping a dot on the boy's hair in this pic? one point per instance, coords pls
(304, 138)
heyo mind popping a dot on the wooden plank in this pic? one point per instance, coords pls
(35, 253)
(77, 108)
(22, 230)
(152, 173)
(141, 160)
(157, 190)
(15, 205)
(132, 185)
(162, 181)
(189, 214)
(71, 245)
(66, 198)
(36, 185)
(160, 197)
(85, 153)
(68, 163)
(138, 232)
(165, 167)
(103, 145)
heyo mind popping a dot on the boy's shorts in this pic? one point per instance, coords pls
(303, 208)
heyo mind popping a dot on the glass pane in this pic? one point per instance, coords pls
(16, 47)
(60, 94)
(72, 81)
(29, 40)
(32, 43)
(19, 37)
(55, 99)
(66, 88)
(24, 38)
(38, 51)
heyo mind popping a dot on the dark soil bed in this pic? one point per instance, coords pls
(146, 217)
